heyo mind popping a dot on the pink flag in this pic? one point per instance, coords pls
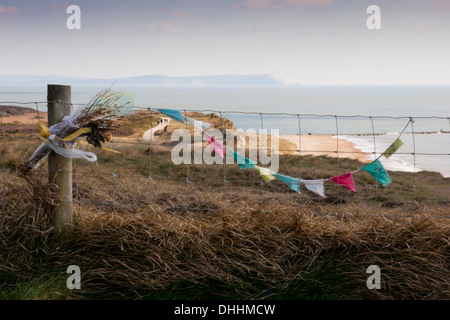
(216, 146)
(345, 180)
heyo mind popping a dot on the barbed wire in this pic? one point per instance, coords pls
(226, 181)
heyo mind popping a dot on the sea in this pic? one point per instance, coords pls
(371, 117)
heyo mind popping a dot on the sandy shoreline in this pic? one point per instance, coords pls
(314, 145)
(326, 145)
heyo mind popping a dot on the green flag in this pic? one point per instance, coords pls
(377, 171)
(393, 147)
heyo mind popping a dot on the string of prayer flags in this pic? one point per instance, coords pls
(377, 171)
(315, 186)
(174, 114)
(345, 180)
(393, 148)
(375, 168)
(265, 173)
(292, 183)
(216, 146)
(243, 162)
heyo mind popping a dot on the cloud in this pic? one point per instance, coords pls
(164, 26)
(7, 11)
(442, 4)
(58, 7)
(273, 4)
(178, 14)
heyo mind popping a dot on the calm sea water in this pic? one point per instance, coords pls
(353, 113)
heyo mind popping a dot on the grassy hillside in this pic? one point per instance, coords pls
(7, 111)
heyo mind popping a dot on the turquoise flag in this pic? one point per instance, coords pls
(243, 162)
(291, 182)
(174, 114)
(377, 171)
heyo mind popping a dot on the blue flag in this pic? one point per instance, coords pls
(377, 171)
(293, 183)
(174, 114)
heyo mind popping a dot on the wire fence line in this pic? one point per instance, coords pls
(227, 181)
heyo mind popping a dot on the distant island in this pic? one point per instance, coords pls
(148, 81)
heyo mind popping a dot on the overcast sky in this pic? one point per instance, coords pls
(299, 41)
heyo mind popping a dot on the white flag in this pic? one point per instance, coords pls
(315, 186)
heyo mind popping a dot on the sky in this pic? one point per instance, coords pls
(310, 42)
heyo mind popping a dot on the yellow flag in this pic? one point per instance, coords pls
(265, 173)
(393, 147)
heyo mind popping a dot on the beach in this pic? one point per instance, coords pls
(325, 145)
(313, 145)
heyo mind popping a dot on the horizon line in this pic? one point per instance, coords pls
(280, 80)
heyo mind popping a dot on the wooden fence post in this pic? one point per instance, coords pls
(59, 167)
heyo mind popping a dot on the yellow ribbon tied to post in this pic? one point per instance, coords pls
(44, 133)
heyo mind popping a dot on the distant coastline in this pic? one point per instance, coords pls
(245, 80)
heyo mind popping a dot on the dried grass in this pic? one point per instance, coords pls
(135, 237)
(255, 254)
